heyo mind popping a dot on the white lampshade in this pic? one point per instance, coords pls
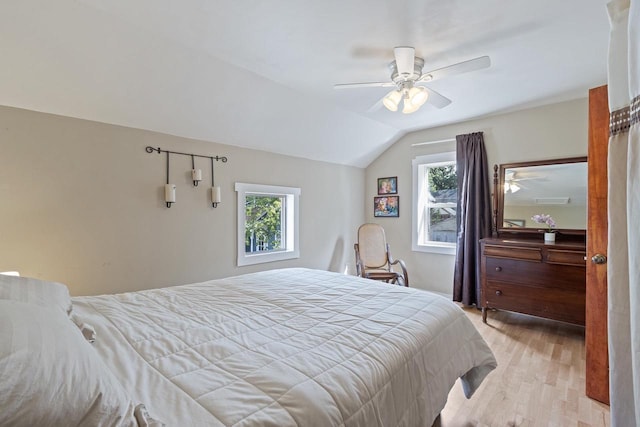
(215, 195)
(409, 107)
(170, 193)
(391, 100)
(418, 95)
(511, 187)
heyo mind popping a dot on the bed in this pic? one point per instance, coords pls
(279, 348)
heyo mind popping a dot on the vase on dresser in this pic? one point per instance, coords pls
(549, 237)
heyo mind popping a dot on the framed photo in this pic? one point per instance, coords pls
(388, 185)
(386, 206)
(513, 223)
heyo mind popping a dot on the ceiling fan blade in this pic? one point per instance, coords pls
(357, 85)
(375, 107)
(459, 68)
(405, 57)
(436, 99)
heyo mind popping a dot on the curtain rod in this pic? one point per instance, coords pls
(433, 142)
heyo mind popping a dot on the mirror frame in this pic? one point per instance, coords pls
(498, 200)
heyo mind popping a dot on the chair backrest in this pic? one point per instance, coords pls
(372, 246)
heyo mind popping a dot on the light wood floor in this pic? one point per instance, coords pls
(540, 379)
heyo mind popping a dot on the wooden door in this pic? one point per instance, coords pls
(597, 354)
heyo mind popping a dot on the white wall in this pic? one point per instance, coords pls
(82, 203)
(554, 131)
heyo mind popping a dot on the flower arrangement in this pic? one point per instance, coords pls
(545, 219)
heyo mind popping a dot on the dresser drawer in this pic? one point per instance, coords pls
(562, 257)
(536, 274)
(530, 254)
(554, 303)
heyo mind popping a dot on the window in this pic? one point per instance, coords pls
(435, 198)
(267, 223)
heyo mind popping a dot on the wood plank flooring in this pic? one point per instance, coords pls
(540, 379)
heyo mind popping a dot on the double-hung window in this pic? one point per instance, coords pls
(435, 198)
(267, 223)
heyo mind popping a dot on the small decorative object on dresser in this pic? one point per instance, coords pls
(549, 235)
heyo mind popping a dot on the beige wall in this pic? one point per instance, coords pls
(82, 203)
(554, 131)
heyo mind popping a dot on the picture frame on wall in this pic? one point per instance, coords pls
(388, 185)
(386, 206)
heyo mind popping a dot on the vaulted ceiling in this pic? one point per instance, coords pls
(260, 74)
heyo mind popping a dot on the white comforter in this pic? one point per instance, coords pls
(288, 347)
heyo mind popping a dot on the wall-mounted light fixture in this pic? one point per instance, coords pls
(196, 176)
(215, 191)
(169, 189)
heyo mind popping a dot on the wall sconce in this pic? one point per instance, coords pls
(169, 194)
(196, 176)
(215, 191)
(169, 189)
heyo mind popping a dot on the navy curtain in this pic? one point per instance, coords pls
(473, 216)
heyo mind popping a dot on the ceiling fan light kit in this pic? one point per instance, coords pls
(407, 76)
(392, 100)
(413, 98)
(510, 187)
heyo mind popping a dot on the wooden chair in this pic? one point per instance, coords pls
(373, 258)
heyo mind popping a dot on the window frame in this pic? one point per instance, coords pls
(291, 216)
(427, 161)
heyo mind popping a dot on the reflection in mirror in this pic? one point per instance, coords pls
(558, 189)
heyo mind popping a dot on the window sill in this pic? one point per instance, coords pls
(434, 248)
(267, 257)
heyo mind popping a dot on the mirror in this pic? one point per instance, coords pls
(553, 187)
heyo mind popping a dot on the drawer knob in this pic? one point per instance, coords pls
(498, 268)
(498, 292)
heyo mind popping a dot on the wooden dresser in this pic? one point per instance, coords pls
(531, 277)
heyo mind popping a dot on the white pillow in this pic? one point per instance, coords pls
(51, 376)
(35, 291)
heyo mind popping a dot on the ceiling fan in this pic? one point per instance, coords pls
(408, 79)
(512, 181)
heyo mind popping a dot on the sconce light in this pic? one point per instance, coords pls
(196, 176)
(215, 191)
(169, 189)
(215, 196)
(169, 194)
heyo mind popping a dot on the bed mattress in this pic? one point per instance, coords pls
(288, 347)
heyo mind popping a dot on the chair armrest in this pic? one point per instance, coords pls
(399, 262)
(404, 270)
